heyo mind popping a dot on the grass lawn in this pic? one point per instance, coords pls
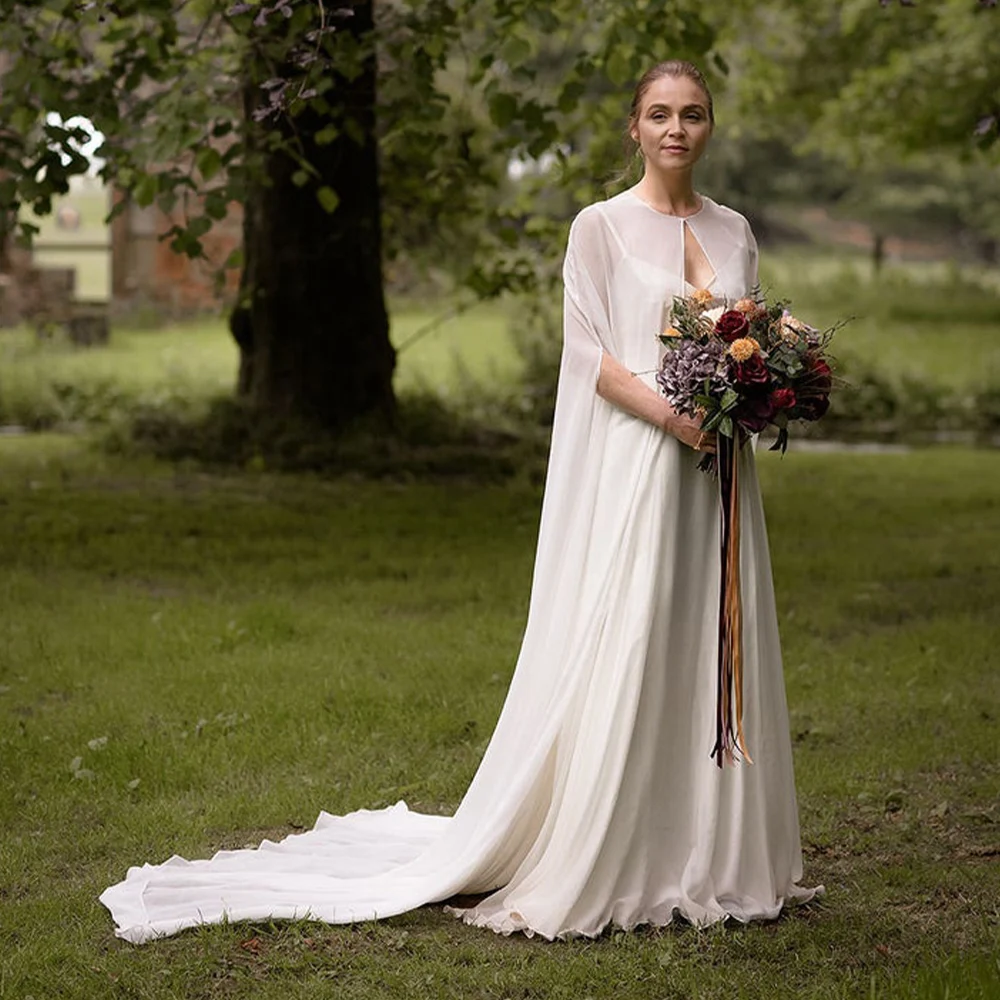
(190, 662)
(196, 361)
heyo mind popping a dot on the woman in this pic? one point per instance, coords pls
(596, 801)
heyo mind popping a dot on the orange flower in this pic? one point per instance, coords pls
(671, 331)
(746, 306)
(701, 297)
(744, 348)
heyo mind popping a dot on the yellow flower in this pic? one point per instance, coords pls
(701, 297)
(671, 331)
(744, 348)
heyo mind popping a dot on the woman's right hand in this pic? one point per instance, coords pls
(688, 431)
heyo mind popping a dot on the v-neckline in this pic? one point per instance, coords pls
(708, 287)
(685, 232)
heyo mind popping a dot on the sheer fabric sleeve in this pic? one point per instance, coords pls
(753, 268)
(586, 310)
(579, 427)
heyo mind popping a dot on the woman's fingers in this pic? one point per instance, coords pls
(707, 442)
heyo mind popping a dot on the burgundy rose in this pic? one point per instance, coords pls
(812, 407)
(783, 399)
(732, 325)
(753, 372)
(814, 390)
(756, 413)
(820, 376)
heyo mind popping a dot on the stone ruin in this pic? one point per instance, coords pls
(147, 277)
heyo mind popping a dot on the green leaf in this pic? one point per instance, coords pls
(209, 162)
(235, 258)
(183, 242)
(355, 131)
(197, 227)
(620, 67)
(503, 108)
(215, 205)
(729, 399)
(300, 178)
(726, 427)
(570, 95)
(22, 119)
(328, 198)
(712, 421)
(145, 191)
(515, 51)
(326, 135)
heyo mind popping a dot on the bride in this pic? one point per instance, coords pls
(597, 801)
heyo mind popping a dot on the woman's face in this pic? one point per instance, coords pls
(672, 127)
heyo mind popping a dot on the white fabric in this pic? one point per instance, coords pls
(596, 800)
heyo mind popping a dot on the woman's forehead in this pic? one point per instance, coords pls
(674, 91)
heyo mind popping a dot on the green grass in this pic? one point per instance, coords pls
(42, 381)
(474, 346)
(257, 648)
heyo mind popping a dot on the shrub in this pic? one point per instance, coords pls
(426, 437)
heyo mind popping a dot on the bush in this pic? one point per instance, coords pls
(536, 330)
(426, 437)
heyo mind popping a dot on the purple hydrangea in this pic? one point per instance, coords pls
(684, 370)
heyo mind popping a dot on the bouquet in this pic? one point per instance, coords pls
(740, 370)
(744, 368)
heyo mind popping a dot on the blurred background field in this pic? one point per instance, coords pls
(919, 329)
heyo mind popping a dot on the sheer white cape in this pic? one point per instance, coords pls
(596, 801)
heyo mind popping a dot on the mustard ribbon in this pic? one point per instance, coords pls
(729, 738)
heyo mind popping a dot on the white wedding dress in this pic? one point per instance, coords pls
(596, 801)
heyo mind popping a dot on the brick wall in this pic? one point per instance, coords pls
(146, 273)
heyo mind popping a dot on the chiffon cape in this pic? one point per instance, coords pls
(596, 801)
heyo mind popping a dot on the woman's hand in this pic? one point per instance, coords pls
(619, 386)
(688, 431)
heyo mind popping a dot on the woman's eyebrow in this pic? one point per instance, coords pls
(687, 107)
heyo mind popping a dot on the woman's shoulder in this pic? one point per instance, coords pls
(594, 226)
(591, 217)
(727, 217)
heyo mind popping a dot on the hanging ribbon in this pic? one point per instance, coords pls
(729, 695)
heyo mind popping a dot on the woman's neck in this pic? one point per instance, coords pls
(671, 193)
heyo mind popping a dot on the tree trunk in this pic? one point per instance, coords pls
(314, 334)
(878, 253)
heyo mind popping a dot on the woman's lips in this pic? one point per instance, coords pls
(676, 149)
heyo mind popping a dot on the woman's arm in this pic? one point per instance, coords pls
(619, 386)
